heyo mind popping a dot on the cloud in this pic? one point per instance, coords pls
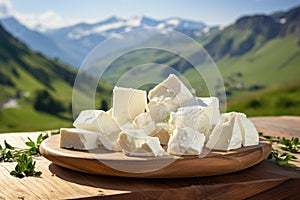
(44, 21)
(5, 8)
(41, 22)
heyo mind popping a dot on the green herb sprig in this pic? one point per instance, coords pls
(288, 147)
(35, 146)
(292, 145)
(25, 167)
(25, 164)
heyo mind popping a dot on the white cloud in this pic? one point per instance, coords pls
(41, 22)
(44, 21)
(5, 8)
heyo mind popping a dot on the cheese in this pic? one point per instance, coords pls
(249, 133)
(162, 131)
(109, 141)
(144, 121)
(160, 107)
(171, 87)
(227, 133)
(88, 120)
(127, 104)
(103, 123)
(186, 141)
(167, 96)
(212, 105)
(195, 117)
(133, 144)
(73, 138)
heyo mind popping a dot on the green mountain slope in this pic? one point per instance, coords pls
(24, 74)
(277, 100)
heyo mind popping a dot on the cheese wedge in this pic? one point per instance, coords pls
(103, 123)
(195, 117)
(186, 141)
(133, 143)
(162, 131)
(127, 104)
(227, 134)
(73, 138)
(88, 120)
(171, 87)
(167, 96)
(212, 108)
(249, 133)
(145, 122)
(160, 107)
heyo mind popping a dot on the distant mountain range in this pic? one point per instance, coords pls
(72, 44)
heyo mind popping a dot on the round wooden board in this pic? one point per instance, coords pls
(103, 162)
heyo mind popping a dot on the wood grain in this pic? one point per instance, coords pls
(103, 162)
(265, 180)
(283, 126)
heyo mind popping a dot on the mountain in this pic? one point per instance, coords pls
(251, 32)
(257, 53)
(72, 44)
(35, 91)
(80, 39)
(33, 39)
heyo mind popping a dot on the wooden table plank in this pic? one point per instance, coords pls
(283, 126)
(266, 179)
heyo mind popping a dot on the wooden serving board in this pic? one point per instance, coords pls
(104, 162)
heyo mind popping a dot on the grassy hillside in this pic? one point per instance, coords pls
(24, 73)
(276, 62)
(279, 100)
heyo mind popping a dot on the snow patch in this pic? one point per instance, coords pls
(173, 22)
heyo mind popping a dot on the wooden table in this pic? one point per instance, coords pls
(266, 179)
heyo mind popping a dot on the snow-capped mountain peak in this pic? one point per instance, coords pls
(71, 44)
(114, 25)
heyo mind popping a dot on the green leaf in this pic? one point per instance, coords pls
(55, 133)
(30, 144)
(8, 146)
(25, 167)
(39, 139)
(38, 173)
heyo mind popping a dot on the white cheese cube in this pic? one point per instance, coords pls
(160, 107)
(133, 144)
(103, 123)
(186, 141)
(145, 122)
(227, 133)
(195, 117)
(73, 138)
(212, 105)
(88, 120)
(171, 87)
(162, 131)
(127, 104)
(249, 133)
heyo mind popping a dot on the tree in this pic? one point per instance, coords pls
(45, 102)
(104, 105)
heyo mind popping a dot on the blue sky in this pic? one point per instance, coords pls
(213, 12)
